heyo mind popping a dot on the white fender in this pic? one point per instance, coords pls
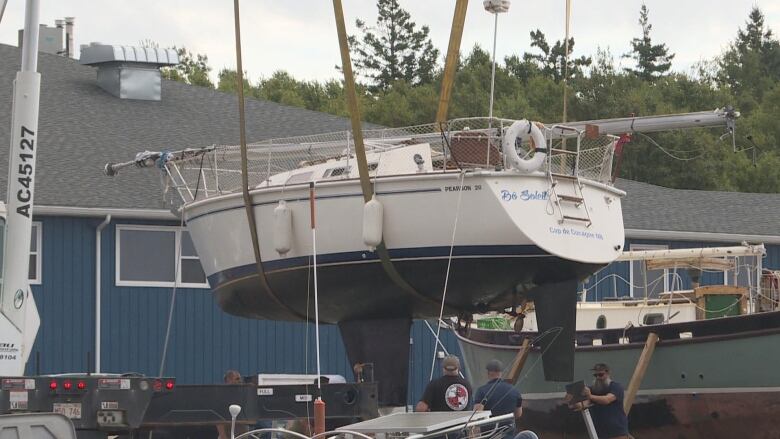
(372, 223)
(523, 129)
(282, 228)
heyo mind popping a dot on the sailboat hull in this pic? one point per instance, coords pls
(501, 246)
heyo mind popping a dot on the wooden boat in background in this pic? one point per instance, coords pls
(707, 377)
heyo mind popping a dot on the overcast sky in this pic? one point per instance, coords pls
(300, 36)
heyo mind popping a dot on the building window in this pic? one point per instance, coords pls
(647, 283)
(191, 272)
(34, 273)
(34, 270)
(146, 256)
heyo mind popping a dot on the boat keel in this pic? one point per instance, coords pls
(385, 344)
(556, 311)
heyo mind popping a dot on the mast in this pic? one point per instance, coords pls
(19, 322)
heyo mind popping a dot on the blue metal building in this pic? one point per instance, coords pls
(98, 309)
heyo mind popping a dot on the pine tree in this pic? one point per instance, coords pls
(394, 49)
(551, 62)
(755, 38)
(652, 60)
(751, 65)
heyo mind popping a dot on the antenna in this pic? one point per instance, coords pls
(495, 7)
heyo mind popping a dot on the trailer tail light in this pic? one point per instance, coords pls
(53, 385)
(169, 385)
(158, 385)
(81, 385)
(67, 385)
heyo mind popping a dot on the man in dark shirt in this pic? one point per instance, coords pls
(499, 397)
(606, 405)
(449, 392)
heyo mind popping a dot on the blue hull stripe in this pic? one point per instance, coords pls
(221, 277)
(317, 197)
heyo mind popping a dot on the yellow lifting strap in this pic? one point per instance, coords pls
(250, 213)
(453, 53)
(360, 151)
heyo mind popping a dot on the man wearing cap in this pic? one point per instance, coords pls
(606, 404)
(449, 392)
(498, 396)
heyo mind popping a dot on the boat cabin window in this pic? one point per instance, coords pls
(303, 177)
(655, 318)
(601, 322)
(337, 172)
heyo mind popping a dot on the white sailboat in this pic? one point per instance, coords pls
(477, 216)
(450, 218)
(511, 218)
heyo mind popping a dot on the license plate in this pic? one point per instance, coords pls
(18, 400)
(70, 410)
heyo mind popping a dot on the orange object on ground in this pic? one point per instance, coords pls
(319, 416)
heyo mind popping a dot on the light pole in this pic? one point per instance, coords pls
(495, 7)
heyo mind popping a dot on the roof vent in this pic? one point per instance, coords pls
(129, 72)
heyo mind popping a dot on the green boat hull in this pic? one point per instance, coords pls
(710, 379)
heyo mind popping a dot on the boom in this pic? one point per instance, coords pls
(725, 117)
(19, 321)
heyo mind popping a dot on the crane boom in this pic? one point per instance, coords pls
(19, 318)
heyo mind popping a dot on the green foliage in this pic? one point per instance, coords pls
(192, 69)
(551, 62)
(751, 65)
(747, 76)
(652, 60)
(394, 49)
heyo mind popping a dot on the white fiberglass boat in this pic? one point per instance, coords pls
(510, 223)
(475, 215)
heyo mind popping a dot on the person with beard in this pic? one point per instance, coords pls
(449, 392)
(605, 399)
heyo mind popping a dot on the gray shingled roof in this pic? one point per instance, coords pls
(82, 127)
(649, 207)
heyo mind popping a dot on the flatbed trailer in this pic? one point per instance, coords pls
(133, 406)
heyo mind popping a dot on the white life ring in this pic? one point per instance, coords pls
(523, 129)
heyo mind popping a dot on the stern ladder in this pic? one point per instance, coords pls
(571, 205)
